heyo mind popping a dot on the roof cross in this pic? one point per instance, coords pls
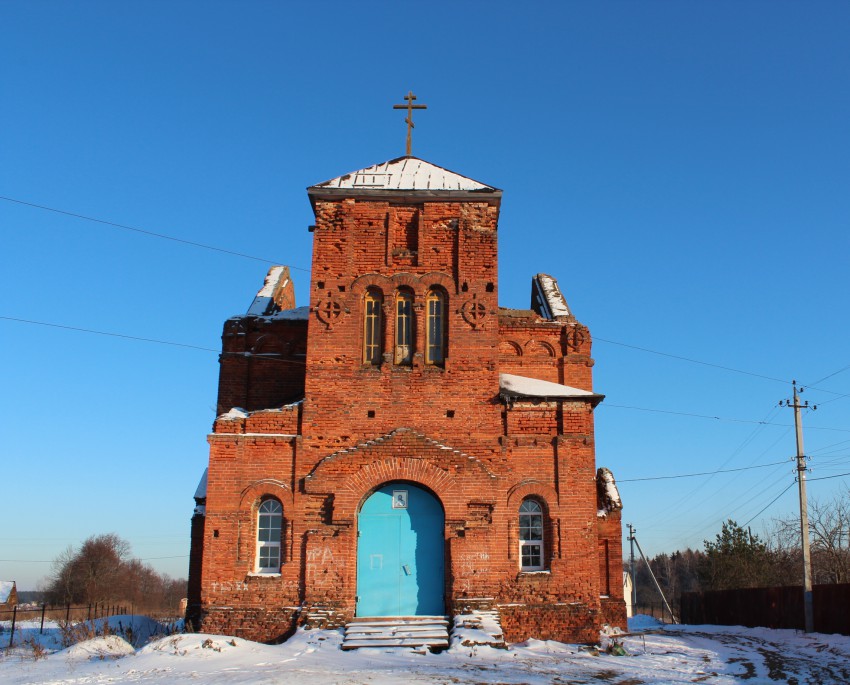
(410, 97)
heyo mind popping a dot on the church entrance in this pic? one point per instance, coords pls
(400, 553)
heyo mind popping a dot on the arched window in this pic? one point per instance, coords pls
(531, 535)
(404, 335)
(372, 328)
(435, 350)
(269, 522)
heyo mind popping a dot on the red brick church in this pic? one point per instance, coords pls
(403, 446)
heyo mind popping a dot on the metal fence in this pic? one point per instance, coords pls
(770, 607)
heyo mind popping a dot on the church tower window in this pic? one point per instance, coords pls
(372, 327)
(404, 331)
(435, 352)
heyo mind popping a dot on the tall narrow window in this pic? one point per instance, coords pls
(404, 328)
(435, 352)
(531, 535)
(269, 521)
(372, 333)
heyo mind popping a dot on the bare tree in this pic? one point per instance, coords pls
(829, 527)
(101, 571)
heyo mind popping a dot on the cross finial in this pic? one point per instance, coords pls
(410, 97)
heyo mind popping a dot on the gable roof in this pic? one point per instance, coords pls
(402, 175)
(6, 587)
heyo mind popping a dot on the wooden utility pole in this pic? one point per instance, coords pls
(410, 97)
(632, 532)
(808, 607)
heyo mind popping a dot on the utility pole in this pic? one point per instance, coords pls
(632, 532)
(808, 609)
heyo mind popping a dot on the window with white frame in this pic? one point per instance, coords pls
(531, 535)
(269, 522)
(435, 334)
(404, 335)
(373, 327)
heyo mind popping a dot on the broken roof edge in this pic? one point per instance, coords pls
(548, 300)
(521, 387)
(276, 294)
(201, 490)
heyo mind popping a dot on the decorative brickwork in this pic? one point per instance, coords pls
(322, 406)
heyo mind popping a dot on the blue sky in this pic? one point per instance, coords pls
(681, 168)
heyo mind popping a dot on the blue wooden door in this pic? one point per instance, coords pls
(400, 553)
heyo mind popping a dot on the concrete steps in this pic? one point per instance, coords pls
(478, 627)
(397, 631)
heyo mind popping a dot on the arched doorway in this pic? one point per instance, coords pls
(400, 553)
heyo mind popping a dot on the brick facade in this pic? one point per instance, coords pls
(319, 429)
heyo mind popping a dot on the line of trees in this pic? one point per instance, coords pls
(738, 558)
(102, 571)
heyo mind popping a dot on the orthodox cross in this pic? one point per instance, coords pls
(410, 97)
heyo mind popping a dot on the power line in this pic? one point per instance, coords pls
(114, 335)
(837, 475)
(51, 561)
(688, 359)
(264, 357)
(767, 506)
(834, 373)
(717, 418)
(705, 473)
(148, 233)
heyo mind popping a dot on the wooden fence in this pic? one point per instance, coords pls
(770, 607)
(65, 613)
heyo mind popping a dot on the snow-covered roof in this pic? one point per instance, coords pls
(6, 587)
(297, 314)
(405, 173)
(520, 386)
(201, 491)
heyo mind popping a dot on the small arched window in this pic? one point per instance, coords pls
(404, 330)
(269, 523)
(531, 535)
(435, 350)
(372, 327)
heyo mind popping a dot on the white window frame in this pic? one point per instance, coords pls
(268, 544)
(405, 331)
(531, 536)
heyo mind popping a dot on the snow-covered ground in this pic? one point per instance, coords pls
(655, 654)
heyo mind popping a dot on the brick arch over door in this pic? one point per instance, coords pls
(403, 455)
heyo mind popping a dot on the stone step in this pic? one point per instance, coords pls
(397, 631)
(380, 625)
(396, 642)
(478, 627)
(400, 619)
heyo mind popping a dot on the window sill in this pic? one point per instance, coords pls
(541, 572)
(258, 574)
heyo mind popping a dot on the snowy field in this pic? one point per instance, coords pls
(655, 654)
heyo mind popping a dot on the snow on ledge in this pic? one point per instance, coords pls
(235, 413)
(297, 314)
(520, 386)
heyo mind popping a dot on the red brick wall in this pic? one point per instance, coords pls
(445, 428)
